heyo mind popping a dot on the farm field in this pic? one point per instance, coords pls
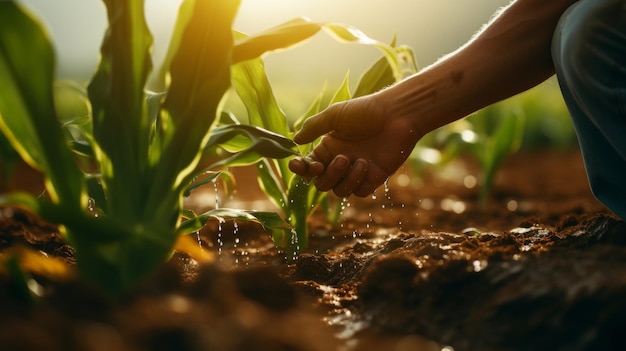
(421, 268)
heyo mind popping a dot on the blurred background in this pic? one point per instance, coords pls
(431, 28)
(533, 120)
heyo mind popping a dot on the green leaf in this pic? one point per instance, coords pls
(247, 145)
(377, 77)
(350, 34)
(200, 76)
(300, 202)
(381, 74)
(27, 111)
(8, 160)
(508, 135)
(254, 89)
(272, 185)
(121, 126)
(282, 36)
(343, 92)
(211, 177)
(239, 137)
(269, 220)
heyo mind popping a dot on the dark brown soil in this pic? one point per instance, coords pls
(541, 266)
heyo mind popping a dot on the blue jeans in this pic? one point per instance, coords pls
(589, 53)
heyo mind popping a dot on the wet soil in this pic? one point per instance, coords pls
(420, 266)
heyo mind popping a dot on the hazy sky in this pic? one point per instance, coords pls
(432, 28)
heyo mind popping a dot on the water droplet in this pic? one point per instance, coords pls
(220, 242)
(479, 265)
(217, 195)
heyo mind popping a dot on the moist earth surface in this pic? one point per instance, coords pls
(421, 265)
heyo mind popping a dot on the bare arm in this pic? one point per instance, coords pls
(509, 55)
(367, 139)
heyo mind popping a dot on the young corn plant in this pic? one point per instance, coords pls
(297, 198)
(489, 135)
(115, 178)
(499, 132)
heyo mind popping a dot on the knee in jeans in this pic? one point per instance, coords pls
(573, 39)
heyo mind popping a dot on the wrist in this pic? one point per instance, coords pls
(409, 100)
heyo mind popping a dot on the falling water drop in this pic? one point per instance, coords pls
(235, 240)
(92, 208)
(220, 242)
(198, 239)
(386, 186)
(217, 195)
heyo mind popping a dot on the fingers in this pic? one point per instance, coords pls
(306, 167)
(316, 126)
(343, 178)
(353, 179)
(374, 179)
(333, 174)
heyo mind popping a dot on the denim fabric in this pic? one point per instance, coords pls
(589, 53)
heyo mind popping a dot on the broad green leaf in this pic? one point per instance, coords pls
(8, 160)
(343, 92)
(381, 73)
(350, 34)
(207, 178)
(72, 103)
(239, 137)
(185, 12)
(261, 149)
(200, 76)
(254, 89)
(120, 123)
(269, 220)
(272, 185)
(247, 145)
(279, 37)
(27, 111)
(377, 77)
(508, 135)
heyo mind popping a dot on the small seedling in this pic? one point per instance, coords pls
(296, 197)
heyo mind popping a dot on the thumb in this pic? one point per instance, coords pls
(316, 126)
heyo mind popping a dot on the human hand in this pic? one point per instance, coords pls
(364, 142)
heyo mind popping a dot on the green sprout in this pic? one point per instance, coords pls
(489, 135)
(297, 198)
(498, 134)
(117, 167)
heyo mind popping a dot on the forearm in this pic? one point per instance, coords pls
(511, 54)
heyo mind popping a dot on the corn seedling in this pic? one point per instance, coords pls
(498, 134)
(117, 169)
(297, 198)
